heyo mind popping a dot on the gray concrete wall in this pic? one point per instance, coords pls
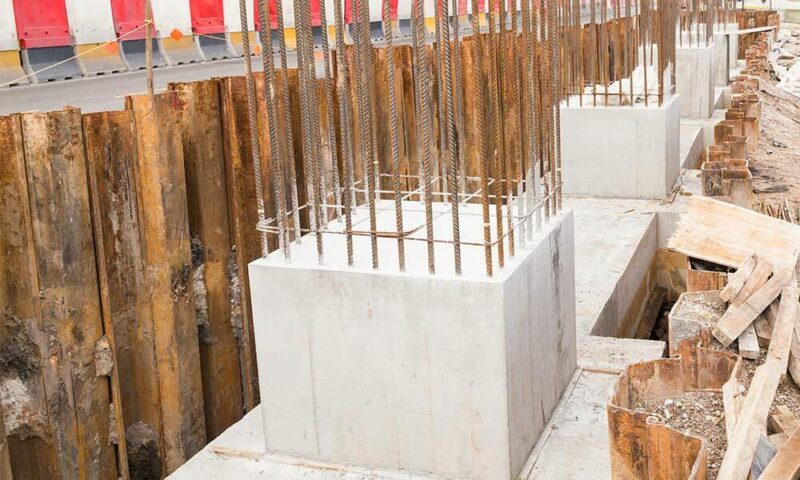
(694, 80)
(620, 152)
(540, 349)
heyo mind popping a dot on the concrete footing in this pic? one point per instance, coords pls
(440, 375)
(623, 152)
(695, 72)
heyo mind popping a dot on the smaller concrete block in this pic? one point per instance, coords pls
(622, 152)
(695, 73)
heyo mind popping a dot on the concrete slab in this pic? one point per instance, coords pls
(691, 144)
(437, 374)
(577, 445)
(612, 355)
(609, 234)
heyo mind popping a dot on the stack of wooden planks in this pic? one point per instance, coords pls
(763, 311)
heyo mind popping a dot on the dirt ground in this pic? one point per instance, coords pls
(700, 413)
(775, 164)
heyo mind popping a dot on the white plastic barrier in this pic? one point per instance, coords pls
(10, 62)
(8, 26)
(231, 16)
(90, 21)
(170, 16)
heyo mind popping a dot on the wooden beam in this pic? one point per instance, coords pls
(78, 398)
(786, 463)
(763, 331)
(111, 157)
(199, 119)
(167, 256)
(736, 319)
(753, 417)
(739, 278)
(748, 343)
(783, 420)
(732, 399)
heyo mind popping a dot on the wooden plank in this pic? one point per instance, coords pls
(650, 314)
(783, 420)
(738, 279)
(736, 319)
(242, 216)
(794, 357)
(167, 257)
(199, 118)
(763, 331)
(786, 463)
(69, 300)
(753, 417)
(111, 157)
(748, 343)
(761, 272)
(778, 439)
(732, 393)
(726, 234)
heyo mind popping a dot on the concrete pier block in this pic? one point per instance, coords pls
(623, 152)
(695, 71)
(445, 376)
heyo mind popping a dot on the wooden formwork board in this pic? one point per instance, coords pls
(641, 447)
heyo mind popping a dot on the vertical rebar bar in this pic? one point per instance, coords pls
(253, 121)
(477, 69)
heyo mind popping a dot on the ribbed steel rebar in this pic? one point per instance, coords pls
(452, 146)
(388, 34)
(458, 95)
(343, 88)
(285, 111)
(362, 49)
(497, 127)
(253, 119)
(480, 114)
(307, 74)
(332, 141)
(272, 119)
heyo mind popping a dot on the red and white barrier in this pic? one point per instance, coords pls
(60, 39)
(10, 61)
(173, 22)
(91, 25)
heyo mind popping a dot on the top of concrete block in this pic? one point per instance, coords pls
(304, 253)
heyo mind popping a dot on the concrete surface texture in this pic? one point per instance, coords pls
(623, 152)
(433, 374)
(726, 51)
(695, 73)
